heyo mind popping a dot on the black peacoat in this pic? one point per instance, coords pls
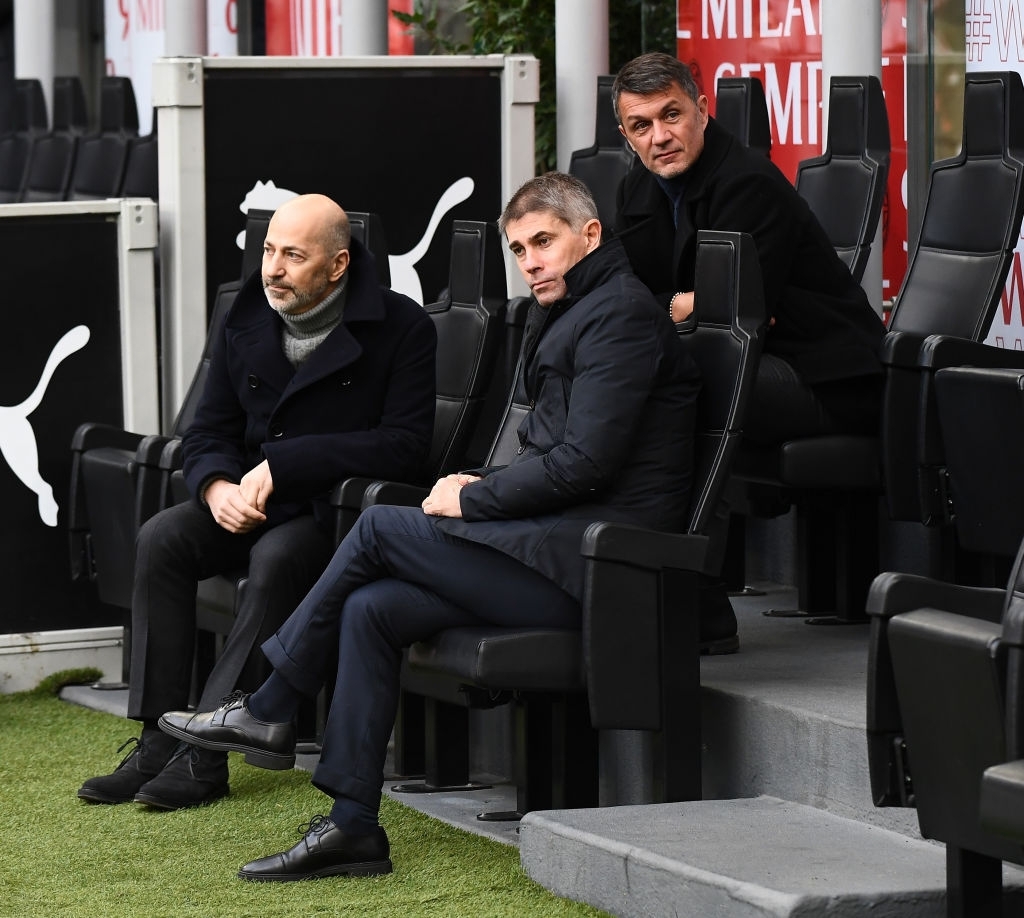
(361, 405)
(824, 325)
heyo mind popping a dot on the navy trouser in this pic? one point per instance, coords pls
(395, 579)
(177, 548)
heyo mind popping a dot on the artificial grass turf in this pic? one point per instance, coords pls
(60, 856)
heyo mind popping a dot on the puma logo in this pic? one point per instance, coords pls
(18, 439)
(404, 277)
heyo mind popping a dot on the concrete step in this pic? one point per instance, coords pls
(786, 716)
(737, 859)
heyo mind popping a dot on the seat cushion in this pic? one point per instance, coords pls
(844, 462)
(528, 659)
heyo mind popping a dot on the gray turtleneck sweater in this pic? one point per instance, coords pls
(303, 334)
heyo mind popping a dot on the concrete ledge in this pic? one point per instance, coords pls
(27, 658)
(749, 858)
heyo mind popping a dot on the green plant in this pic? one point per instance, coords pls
(528, 27)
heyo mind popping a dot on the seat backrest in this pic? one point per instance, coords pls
(845, 186)
(369, 230)
(222, 301)
(141, 169)
(50, 167)
(102, 157)
(726, 345)
(470, 324)
(30, 122)
(972, 217)
(602, 165)
(741, 108)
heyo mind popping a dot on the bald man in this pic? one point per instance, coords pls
(318, 374)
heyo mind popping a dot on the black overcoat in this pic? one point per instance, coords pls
(610, 432)
(824, 325)
(361, 405)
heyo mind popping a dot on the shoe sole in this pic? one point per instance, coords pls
(160, 803)
(361, 869)
(275, 761)
(103, 798)
(721, 646)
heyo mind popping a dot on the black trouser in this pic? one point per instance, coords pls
(176, 549)
(395, 579)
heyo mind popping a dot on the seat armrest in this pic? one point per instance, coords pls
(892, 593)
(395, 493)
(940, 351)
(1001, 807)
(644, 548)
(901, 349)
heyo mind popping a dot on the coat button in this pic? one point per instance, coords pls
(276, 432)
(533, 404)
(253, 381)
(520, 450)
(346, 382)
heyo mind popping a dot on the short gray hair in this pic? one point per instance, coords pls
(650, 73)
(557, 193)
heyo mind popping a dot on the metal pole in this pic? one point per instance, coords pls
(35, 43)
(364, 27)
(581, 56)
(185, 28)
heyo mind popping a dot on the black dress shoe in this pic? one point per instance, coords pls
(149, 755)
(325, 851)
(193, 777)
(231, 728)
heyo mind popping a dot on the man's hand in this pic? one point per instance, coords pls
(443, 499)
(257, 485)
(680, 306)
(231, 509)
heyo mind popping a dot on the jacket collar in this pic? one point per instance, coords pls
(256, 328)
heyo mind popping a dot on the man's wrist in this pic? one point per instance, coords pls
(671, 303)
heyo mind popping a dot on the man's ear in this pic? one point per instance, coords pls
(592, 232)
(622, 131)
(339, 265)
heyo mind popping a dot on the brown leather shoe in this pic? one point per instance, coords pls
(231, 728)
(325, 851)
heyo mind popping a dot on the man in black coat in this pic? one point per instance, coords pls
(320, 374)
(609, 436)
(820, 371)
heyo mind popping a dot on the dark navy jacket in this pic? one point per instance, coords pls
(824, 325)
(610, 432)
(361, 405)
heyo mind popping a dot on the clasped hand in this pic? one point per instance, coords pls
(239, 508)
(443, 499)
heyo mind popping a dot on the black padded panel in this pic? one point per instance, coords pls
(369, 230)
(141, 170)
(119, 112)
(981, 415)
(256, 223)
(69, 111)
(49, 172)
(949, 680)
(845, 186)
(972, 212)
(603, 165)
(741, 108)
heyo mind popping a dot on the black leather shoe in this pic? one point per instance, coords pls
(325, 851)
(193, 777)
(151, 752)
(231, 728)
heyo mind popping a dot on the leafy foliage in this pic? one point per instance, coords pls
(528, 27)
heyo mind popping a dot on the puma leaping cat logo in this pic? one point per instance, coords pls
(18, 439)
(404, 277)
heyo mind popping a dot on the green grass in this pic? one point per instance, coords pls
(62, 857)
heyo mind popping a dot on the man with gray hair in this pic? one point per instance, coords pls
(609, 436)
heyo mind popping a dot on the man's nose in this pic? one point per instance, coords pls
(273, 265)
(659, 132)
